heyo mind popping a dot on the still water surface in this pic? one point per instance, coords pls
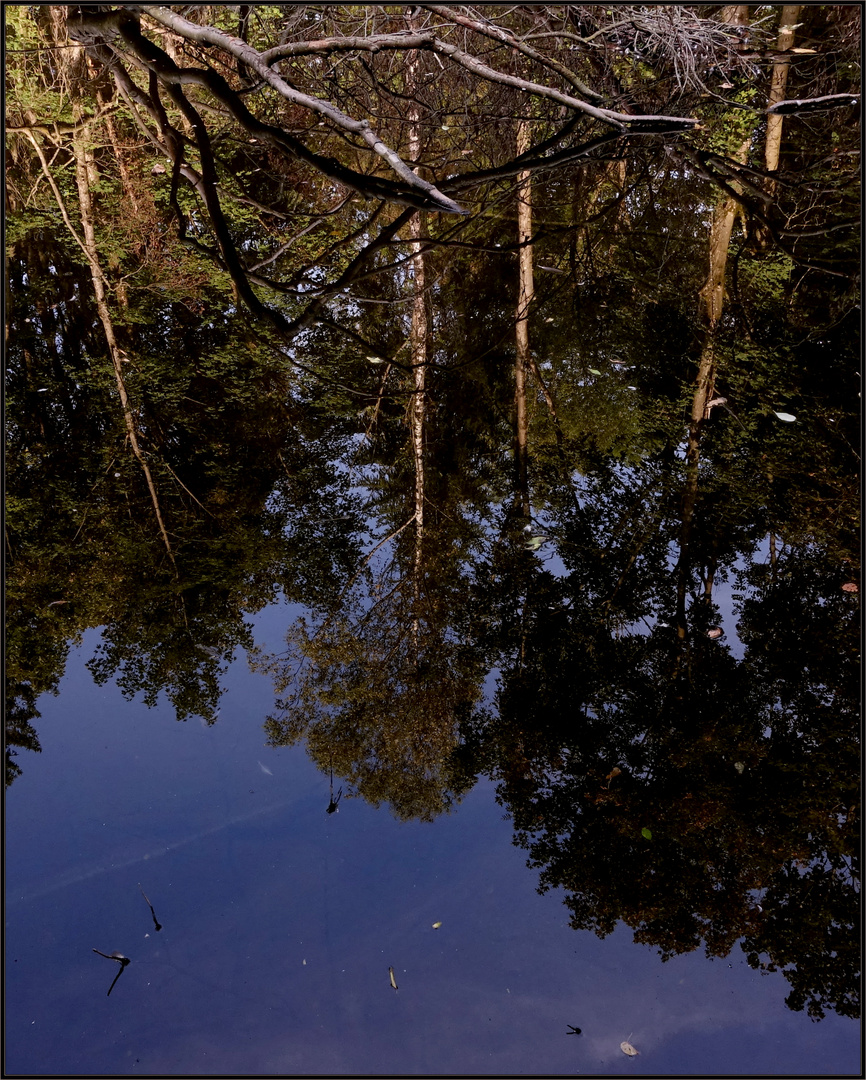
(279, 923)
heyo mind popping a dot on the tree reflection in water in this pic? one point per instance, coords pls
(468, 436)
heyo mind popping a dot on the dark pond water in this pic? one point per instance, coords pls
(433, 614)
(279, 924)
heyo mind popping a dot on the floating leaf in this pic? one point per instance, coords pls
(627, 1048)
(594, 371)
(646, 834)
(786, 416)
(391, 976)
(739, 766)
(535, 542)
(715, 632)
(375, 359)
(436, 925)
(850, 586)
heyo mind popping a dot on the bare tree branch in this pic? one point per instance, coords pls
(429, 41)
(490, 30)
(253, 60)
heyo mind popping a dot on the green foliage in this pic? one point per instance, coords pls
(726, 129)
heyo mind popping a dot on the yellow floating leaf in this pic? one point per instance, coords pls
(436, 925)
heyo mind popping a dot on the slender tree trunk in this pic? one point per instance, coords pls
(525, 292)
(712, 298)
(418, 352)
(713, 292)
(120, 157)
(712, 301)
(83, 171)
(417, 335)
(778, 85)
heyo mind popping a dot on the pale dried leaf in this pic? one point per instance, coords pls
(627, 1048)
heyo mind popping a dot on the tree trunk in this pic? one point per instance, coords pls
(525, 292)
(712, 297)
(417, 335)
(735, 15)
(418, 353)
(713, 292)
(778, 85)
(83, 170)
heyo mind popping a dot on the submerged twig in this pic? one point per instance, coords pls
(157, 925)
(118, 958)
